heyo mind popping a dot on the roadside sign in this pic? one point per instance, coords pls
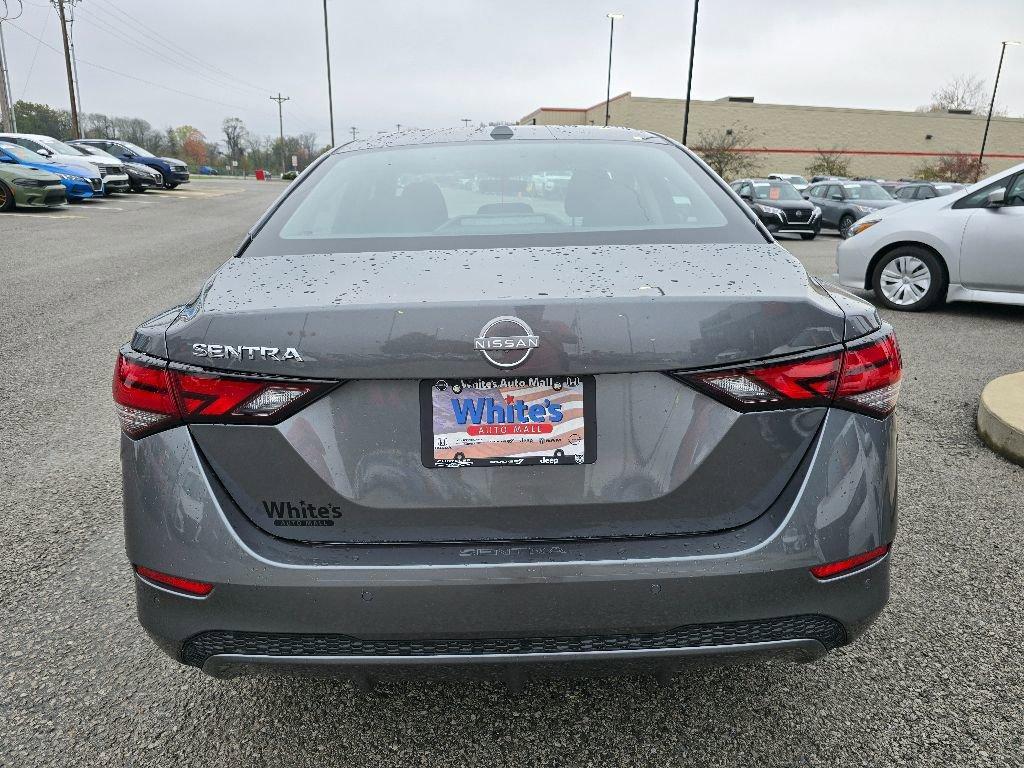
(295, 161)
(234, 163)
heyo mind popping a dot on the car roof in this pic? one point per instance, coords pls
(519, 133)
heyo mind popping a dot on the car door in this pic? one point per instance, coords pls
(830, 206)
(815, 194)
(992, 250)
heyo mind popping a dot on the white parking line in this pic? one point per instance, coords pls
(42, 215)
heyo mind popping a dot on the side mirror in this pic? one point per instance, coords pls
(746, 196)
(44, 152)
(996, 198)
(806, 196)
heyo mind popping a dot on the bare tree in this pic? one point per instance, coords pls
(234, 136)
(829, 162)
(963, 92)
(728, 151)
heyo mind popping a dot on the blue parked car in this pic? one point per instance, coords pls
(208, 170)
(80, 181)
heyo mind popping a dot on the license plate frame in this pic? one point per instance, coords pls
(572, 444)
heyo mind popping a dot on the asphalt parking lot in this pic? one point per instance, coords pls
(939, 680)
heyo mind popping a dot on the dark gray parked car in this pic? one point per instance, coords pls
(843, 202)
(412, 423)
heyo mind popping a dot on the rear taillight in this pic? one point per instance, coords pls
(150, 396)
(863, 377)
(871, 377)
(143, 398)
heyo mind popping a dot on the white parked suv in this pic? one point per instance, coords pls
(112, 171)
(967, 246)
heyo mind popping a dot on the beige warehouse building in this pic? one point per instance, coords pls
(879, 143)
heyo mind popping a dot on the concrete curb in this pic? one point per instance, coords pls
(1001, 416)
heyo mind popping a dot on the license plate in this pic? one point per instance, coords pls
(508, 421)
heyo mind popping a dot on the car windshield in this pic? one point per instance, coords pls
(60, 147)
(94, 151)
(775, 190)
(484, 193)
(866, 191)
(138, 150)
(24, 155)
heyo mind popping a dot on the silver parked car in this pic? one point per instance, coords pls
(966, 245)
(413, 423)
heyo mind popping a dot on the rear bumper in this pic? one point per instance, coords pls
(383, 609)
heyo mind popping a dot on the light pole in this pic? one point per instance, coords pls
(466, 121)
(608, 91)
(689, 72)
(992, 106)
(330, 96)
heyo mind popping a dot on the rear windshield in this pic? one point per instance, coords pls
(775, 190)
(504, 193)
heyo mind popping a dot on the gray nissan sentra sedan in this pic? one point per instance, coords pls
(437, 414)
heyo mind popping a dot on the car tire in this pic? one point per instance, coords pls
(909, 279)
(170, 186)
(844, 225)
(6, 198)
(808, 235)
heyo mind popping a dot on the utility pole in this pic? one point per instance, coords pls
(354, 131)
(466, 121)
(74, 59)
(8, 122)
(608, 93)
(67, 63)
(689, 72)
(992, 106)
(330, 95)
(280, 123)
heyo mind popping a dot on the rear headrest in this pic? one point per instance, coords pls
(421, 207)
(600, 201)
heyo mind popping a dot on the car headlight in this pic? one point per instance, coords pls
(33, 183)
(770, 209)
(863, 209)
(861, 225)
(816, 212)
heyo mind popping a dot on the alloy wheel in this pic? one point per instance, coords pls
(905, 280)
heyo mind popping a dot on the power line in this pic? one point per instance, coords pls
(154, 35)
(132, 77)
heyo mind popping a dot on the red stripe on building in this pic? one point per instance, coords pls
(878, 152)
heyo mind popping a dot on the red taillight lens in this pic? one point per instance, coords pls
(803, 382)
(199, 588)
(150, 397)
(143, 398)
(828, 570)
(864, 377)
(871, 376)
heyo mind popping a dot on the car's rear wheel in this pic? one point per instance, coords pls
(170, 186)
(844, 225)
(909, 279)
(808, 235)
(6, 198)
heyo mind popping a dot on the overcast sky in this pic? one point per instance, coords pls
(429, 64)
